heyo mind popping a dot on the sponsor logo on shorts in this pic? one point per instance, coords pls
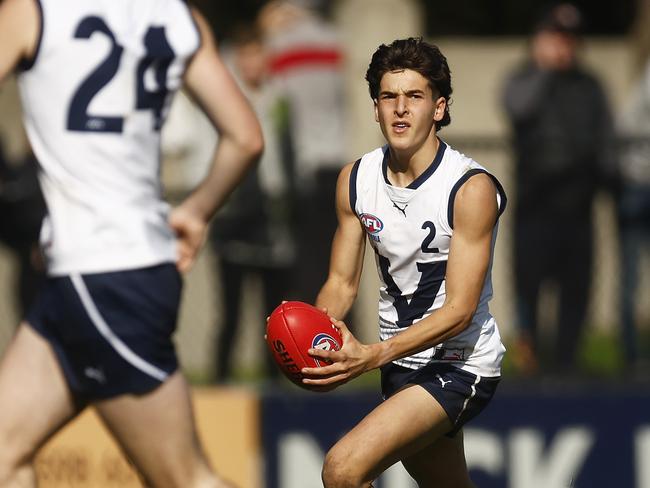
(443, 382)
(96, 374)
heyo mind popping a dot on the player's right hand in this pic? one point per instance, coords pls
(191, 232)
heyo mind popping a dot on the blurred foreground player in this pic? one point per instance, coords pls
(430, 215)
(95, 80)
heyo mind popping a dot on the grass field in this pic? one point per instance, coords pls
(600, 357)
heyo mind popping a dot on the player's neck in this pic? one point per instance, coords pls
(404, 166)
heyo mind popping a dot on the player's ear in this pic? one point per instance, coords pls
(374, 101)
(441, 106)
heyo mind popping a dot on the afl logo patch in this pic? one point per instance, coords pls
(325, 342)
(372, 224)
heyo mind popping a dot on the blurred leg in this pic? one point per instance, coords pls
(574, 281)
(275, 282)
(634, 221)
(630, 254)
(158, 434)
(232, 276)
(35, 403)
(529, 272)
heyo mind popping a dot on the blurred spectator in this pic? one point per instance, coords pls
(634, 208)
(306, 68)
(563, 142)
(21, 212)
(251, 233)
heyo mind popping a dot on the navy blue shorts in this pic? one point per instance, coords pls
(461, 394)
(111, 332)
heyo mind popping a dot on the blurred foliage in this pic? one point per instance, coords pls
(225, 17)
(514, 17)
(458, 18)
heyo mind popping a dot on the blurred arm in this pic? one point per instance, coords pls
(346, 260)
(19, 32)
(523, 93)
(240, 137)
(240, 143)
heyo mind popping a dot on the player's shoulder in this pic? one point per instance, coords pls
(24, 8)
(474, 188)
(458, 166)
(21, 20)
(346, 172)
(478, 185)
(346, 186)
(199, 19)
(370, 158)
(477, 200)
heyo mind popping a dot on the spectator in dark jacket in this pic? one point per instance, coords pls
(563, 143)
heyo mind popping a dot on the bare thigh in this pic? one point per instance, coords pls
(397, 429)
(35, 398)
(157, 432)
(441, 464)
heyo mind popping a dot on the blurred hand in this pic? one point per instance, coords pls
(351, 361)
(191, 232)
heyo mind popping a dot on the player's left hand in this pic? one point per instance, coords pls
(351, 361)
(191, 231)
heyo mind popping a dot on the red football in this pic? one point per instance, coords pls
(292, 329)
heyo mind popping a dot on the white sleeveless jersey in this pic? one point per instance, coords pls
(94, 100)
(410, 231)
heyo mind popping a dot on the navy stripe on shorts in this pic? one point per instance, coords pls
(461, 394)
(111, 332)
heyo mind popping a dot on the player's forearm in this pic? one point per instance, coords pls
(444, 323)
(337, 296)
(231, 162)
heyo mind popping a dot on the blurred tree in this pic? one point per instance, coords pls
(513, 17)
(225, 17)
(462, 17)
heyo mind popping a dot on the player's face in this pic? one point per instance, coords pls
(406, 109)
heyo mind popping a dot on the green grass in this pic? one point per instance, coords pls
(600, 356)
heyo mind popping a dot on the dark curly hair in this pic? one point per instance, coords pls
(417, 55)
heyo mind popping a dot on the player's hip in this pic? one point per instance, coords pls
(112, 332)
(462, 394)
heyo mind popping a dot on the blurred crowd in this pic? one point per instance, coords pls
(569, 146)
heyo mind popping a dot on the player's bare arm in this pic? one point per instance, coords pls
(346, 261)
(475, 214)
(240, 143)
(19, 32)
